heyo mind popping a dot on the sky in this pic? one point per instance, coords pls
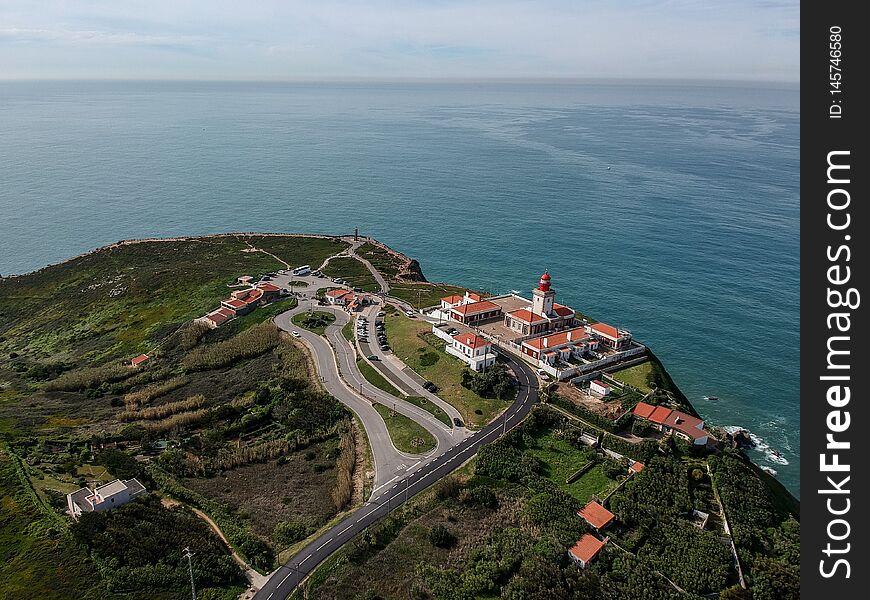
(283, 40)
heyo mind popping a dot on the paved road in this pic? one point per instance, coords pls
(396, 372)
(336, 365)
(399, 490)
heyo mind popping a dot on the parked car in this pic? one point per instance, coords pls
(358, 290)
(458, 422)
(382, 314)
(430, 386)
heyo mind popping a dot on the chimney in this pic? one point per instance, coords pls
(569, 335)
(546, 342)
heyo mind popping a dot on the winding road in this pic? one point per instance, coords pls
(398, 476)
(407, 479)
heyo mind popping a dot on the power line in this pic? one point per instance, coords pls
(188, 554)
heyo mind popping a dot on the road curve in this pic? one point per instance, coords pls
(336, 365)
(395, 492)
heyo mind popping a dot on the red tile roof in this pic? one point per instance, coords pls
(235, 303)
(660, 414)
(474, 297)
(475, 307)
(691, 426)
(555, 340)
(562, 310)
(471, 340)
(527, 316)
(139, 360)
(643, 410)
(596, 515)
(219, 316)
(451, 299)
(268, 287)
(254, 296)
(587, 547)
(337, 293)
(601, 383)
(636, 466)
(606, 330)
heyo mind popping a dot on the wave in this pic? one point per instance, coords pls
(770, 453)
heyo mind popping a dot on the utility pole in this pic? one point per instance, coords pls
(188, 554)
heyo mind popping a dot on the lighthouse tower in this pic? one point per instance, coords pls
(543, 297)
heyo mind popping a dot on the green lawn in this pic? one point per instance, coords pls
(407, 435)
(353, 271)
(347, 332)
(299, 250)
(431, 407)
(636, 375)
(316, 321)
(374, 377)
(563, 460)
(421, 295)
(439, 367)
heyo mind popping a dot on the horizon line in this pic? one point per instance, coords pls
(399, 79)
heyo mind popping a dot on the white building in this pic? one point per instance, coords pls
(561, 346)
(610, 336)
(472, 349)
(599, 388)
(107, 496)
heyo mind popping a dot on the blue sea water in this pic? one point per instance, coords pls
(670, 209)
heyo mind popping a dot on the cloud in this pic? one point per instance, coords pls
(274, 39)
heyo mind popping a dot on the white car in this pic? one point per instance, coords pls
(295, 334)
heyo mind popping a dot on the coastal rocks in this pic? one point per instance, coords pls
(413, 272)
(741, 439)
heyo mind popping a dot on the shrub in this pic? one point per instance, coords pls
(289, 532)
(164, 410)
(249, 343)
(440, 537)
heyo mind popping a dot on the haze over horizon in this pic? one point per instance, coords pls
(750, 40)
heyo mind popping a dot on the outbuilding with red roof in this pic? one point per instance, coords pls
(596, 515)
(586, 548)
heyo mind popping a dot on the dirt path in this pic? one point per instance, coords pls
(254, 578)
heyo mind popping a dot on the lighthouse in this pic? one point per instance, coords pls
(543, 297)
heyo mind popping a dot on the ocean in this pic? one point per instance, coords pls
(667, 208)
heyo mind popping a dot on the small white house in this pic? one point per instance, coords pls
(599, 388)
(472, 349)
(105, 497)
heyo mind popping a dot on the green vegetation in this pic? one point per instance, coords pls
(251, 342)
(140, 546)
(218, 418)
(410, 341)
(33, 543)
(386, 262)
(353, 271)
(431, 407)
(764, 525)
(421, 295)
(123, 300)
(347, 332)
(407, 435)
(316, 321)
(641, 376)
(494, 382)
(374, 377)
(299, 250)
